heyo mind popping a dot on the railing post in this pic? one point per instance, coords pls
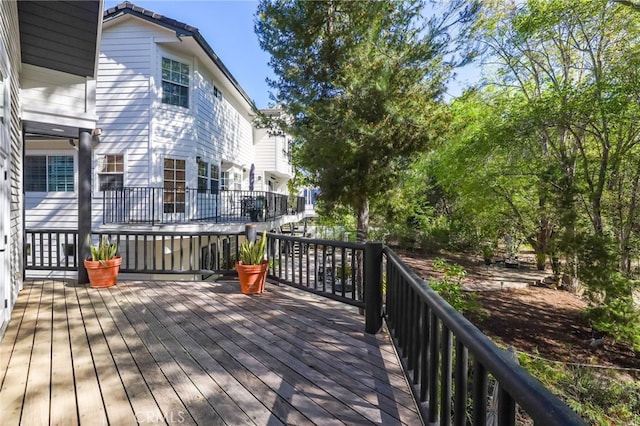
(373, 286)
(251, 232)
(84, 202)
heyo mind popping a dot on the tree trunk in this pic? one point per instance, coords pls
(362, 233)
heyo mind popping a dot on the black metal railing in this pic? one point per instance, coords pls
(50, 250)
(440, 349)
(330, 268)
(143, 205)
(451, 366)
(186, 253)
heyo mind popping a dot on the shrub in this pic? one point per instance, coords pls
(450, 286)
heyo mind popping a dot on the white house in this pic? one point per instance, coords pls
(173, 145)
(272, 156)
(173, 117)
(48, 59)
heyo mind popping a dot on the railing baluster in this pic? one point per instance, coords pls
(426, 354)
(419, 339)
(434, 349)
(412, 339)
(461, 381)
(446, 373)
(479, 394)
(506, 408)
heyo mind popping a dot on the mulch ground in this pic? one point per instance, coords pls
(536, 319)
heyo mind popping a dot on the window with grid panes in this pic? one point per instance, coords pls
(111, 172)
(175, 83)
(214, 176)
(202, 177)
(224, 181)
(52, 173)
(175, 185)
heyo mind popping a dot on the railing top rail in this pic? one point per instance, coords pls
(316, 241)
(185, 233)
(524, 388)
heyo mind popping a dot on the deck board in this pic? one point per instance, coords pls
(63, 397)
(167, 352)
(12, 392)
(35, 410)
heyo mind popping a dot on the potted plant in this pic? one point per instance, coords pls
(252, 266)
(104, 264)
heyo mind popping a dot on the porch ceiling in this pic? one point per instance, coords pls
(60, 35)
(48, 129)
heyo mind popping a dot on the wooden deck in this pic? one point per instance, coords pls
(151, 352)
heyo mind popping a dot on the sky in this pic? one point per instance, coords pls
(227, 25)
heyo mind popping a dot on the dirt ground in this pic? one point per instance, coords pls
(520, 311)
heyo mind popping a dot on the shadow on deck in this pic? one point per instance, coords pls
(156, 352)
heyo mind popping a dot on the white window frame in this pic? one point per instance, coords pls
(101, 160)
(202, 178)
(173, 195)
(214, 181)
(225, 181)
(171, 58)
(48, 154)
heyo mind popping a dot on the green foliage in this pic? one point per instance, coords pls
(548, 144)
(346, 269)
(252, 252)
(598, 396)
(362, 83)
(103, 250)
(609, 291)
(450, 286)
(488, 250)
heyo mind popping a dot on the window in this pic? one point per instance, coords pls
(217, 93)
(202, 177)
(231, 181)
(224, 181)
(175, 185)
(215, 179)
(175, 83)
(111, 172)
(53, 173)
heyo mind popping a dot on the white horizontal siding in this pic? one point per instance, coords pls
(53, 210)
(123, 102)
(45, 90)
(265, 153)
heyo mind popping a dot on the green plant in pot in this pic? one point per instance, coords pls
(252, 266)
(104, 264)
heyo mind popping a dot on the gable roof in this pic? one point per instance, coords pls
(60, 35)
(181, 29)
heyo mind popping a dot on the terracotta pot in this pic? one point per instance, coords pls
(252, 277)
(103, 275)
